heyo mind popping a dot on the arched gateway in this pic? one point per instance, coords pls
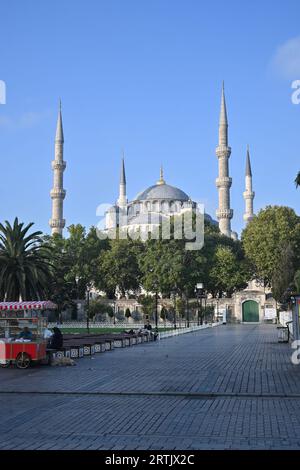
(250, 311)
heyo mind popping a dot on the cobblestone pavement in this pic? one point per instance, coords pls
(229, 387)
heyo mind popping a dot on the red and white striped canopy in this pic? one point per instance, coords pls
(30, 305)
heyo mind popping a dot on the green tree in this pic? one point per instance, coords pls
(163, 313)
(159, 265)
(213, 241)
(271, 230)
(148, 305)
(61, 288)
(180, 306)
(110, 311)
(75, 265)
(284, 277)
(25, 268)
(80, 264)
(96, 307)
(167, 266)
(118, 267)
(228, 273)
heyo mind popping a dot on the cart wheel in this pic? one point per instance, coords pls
(23, 361)
(7, 364)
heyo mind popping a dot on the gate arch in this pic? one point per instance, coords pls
(250, 311)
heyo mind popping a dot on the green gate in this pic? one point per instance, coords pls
(250, 311)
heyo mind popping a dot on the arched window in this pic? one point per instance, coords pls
(155, 206)
(164, 206)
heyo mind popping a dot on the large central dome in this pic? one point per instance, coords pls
(162, 191)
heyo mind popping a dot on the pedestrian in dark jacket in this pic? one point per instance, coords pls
(56, 340)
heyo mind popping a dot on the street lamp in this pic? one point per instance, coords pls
(199, 290)
(155, 286)
(77, 279)
(114, 312)
(156, 313)
(187, 311)
(173, 293)
(88, 307)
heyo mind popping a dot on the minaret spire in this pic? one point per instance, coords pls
(248, 164)
(223, 123)
(57, 193)
(223, 182)
(122, 201)
(59, 137)
(161, 176)
(248, 194)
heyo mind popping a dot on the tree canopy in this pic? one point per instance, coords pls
(63, 269)
(25, 263)
(264, 239)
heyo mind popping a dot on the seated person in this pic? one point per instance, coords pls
(56, 340)
(26, 333)
(148, 326)
(47, 333)
(129, 332)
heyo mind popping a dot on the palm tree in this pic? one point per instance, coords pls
(25, 268)
(297, 180)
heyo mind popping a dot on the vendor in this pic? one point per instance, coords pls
(26, 333)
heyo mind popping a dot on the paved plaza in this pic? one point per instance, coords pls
(229, 387)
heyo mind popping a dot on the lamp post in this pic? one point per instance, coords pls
(156, 313)
(88, 307)
(199, 290)
(114, 312)
(173, 293)
(77, 279)
(187, 312)
(155, 288)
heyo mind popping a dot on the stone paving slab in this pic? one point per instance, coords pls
(102, 403)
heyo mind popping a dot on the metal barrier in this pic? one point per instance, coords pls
(180, 331)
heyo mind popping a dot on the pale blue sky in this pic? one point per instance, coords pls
(145, 75)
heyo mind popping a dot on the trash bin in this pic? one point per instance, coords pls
(283, 334)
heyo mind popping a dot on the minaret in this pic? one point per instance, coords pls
(57, 222)
(122, 200)
(223, 182)
(248, 194)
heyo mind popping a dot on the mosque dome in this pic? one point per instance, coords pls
(162, 190)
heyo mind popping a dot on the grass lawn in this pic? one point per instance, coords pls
(101, 330)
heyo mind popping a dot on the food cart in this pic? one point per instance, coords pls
(14, 317)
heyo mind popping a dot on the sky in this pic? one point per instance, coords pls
(145, 76)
